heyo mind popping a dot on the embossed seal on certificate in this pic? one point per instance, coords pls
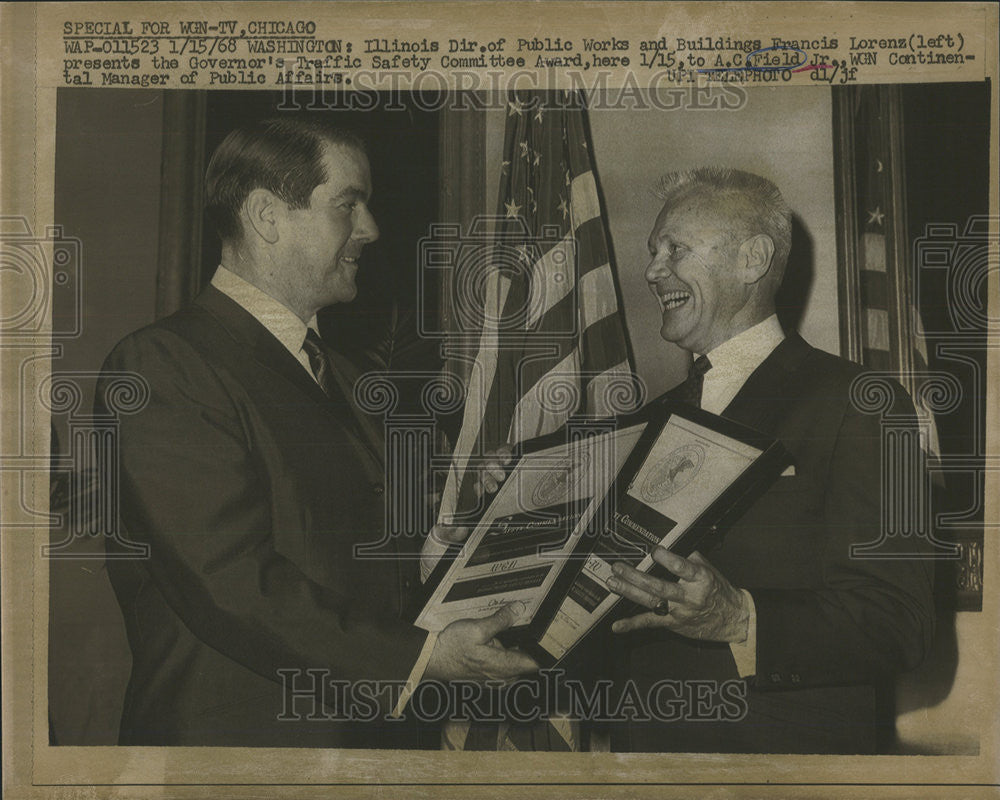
(559, 480)
(672, 473)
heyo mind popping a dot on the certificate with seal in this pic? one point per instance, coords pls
(523, 547)
(669, 476)
(685, 482)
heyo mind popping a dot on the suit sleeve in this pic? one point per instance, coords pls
(873, 615)
(192, 489)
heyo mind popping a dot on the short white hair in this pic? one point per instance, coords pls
(762, 209)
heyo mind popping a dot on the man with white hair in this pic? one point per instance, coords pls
(801, 633)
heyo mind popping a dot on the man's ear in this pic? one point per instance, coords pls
(756, 254)
(261, 212)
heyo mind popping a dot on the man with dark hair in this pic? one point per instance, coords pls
(253, 477)
(283, 156)
(783, 602)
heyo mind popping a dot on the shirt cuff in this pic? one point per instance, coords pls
(745, 652)
(430, 554)
(416, 674)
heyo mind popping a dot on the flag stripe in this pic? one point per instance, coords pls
(540, 411)
(601, 344)
(597, 296)
(605, 393)
(873, 246)
(553, 276)
(592, 243)
(873, 290)
(877, 329)
(586, 205)
(476, 402)
(876, 359)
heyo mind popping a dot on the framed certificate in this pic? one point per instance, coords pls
(670, 475)
(689, 477)
(524, 545)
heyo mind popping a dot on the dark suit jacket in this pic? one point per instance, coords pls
(830, 627)
(252, 489)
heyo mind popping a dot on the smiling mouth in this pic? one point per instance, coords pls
(671, 300)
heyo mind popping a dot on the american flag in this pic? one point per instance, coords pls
(890, 319)
(553, 340)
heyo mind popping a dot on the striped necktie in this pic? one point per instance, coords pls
(331, 379)
(319, 361)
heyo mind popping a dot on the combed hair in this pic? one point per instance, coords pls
(284, 156)
(763, 209)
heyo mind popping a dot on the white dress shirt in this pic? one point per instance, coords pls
(733, 362)
(287, 328)
(280, 321)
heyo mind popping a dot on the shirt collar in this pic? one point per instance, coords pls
(279, 320)
(743, 353)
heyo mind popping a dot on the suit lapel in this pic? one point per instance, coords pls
(758, 404)
(273, 355)
(266, 349)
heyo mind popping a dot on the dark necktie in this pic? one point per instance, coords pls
(319, 361)
(690, 390)
(331, 371)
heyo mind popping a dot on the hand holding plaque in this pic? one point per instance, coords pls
(467, 650)
(700, 604)
(665, 479)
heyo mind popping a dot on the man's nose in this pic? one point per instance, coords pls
(365, 229)
(657, 270)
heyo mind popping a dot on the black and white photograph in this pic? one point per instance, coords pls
(449, 435)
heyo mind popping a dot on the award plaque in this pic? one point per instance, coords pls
(526, 540)
(670, 475)
(686, 481)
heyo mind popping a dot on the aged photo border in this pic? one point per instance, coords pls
(33, 768)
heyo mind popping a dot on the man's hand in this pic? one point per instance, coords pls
(492, 473)
(702, 604)
(467, 650)
(449, 534)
